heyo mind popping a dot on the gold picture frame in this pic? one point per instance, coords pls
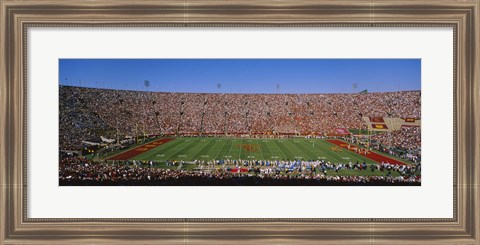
(17, 16)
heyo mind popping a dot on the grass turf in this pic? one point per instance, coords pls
(189, 149)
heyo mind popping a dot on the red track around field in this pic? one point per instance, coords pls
(139, 150)
(371, 155)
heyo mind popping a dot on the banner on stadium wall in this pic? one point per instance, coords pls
(377, 120)
(341, 131)
(390, 123)
(379, 126)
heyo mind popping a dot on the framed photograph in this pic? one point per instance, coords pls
(232, 122)
(270, 122)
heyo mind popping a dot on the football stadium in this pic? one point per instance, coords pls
(133, 137)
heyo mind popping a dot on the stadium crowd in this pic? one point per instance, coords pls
(80, 171)
(77, 122)
(89, 112)
(404, 143)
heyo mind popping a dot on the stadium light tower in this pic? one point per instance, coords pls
(354, 86)
(146, 84)
(119, 101)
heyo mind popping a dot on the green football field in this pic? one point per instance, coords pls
(190, 149)
(208, 149)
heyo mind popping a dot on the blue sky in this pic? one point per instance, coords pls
(244, 75)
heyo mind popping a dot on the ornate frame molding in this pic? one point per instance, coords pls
(17, 16)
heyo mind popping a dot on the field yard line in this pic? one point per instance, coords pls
(229, 151)
(296, 153)
(154, 151)
(268, 147)
(316, 149)
(197, 149)
(284, 156)
(260, 148)
(354, 156)
(201, 150)
(277, 152)
(335, 155)
(382, 153)
(174, 153)
(240, 152)
(271, 153)
(172, 147)
(288, 149)
(221, 149)
(301, 149)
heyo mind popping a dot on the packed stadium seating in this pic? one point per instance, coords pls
(87, 113)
